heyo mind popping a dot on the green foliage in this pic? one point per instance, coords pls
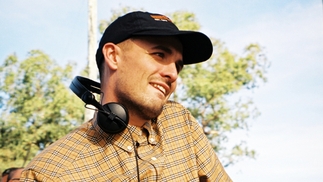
(208, 89)
(185, 20)
(37, 107)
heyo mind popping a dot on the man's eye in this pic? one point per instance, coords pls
(179, 66)
(159, 54)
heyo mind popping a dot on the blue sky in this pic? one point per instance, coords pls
(287, 136)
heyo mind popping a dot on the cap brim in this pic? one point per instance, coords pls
(197, 47)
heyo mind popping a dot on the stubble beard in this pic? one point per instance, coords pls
(144, 107)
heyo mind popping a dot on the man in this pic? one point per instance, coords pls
(139, 58)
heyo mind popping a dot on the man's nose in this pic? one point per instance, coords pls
(170, 71)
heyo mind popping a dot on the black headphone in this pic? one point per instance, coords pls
(112, 117)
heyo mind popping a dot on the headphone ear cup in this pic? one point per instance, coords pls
(112, 117)
(115, 120)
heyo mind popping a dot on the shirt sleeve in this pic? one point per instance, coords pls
(209, 166)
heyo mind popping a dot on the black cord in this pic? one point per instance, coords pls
(151, 165)
(136, 153)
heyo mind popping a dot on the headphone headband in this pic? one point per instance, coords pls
(83, 87)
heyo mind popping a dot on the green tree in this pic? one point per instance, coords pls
(36, 106)
(208, 89)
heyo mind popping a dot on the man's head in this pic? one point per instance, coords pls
(142, 72)
(197, 47)
(140, 56)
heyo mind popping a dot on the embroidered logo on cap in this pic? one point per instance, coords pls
(161, 18)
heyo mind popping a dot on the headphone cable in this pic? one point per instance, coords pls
(136, 153)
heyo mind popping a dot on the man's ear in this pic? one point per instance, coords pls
(110, 52)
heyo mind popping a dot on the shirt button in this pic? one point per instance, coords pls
(129, 148)
(153, 158)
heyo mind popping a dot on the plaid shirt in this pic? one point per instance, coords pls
(172, 149)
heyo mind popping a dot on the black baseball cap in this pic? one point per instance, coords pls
(197, 47)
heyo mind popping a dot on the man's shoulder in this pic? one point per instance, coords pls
(68, 147)
(173, 105)
(174, 113)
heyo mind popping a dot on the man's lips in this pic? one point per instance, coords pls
(161, 87)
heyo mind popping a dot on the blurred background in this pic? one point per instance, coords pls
(288, 134)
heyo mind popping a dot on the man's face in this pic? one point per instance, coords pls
(147, 74)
